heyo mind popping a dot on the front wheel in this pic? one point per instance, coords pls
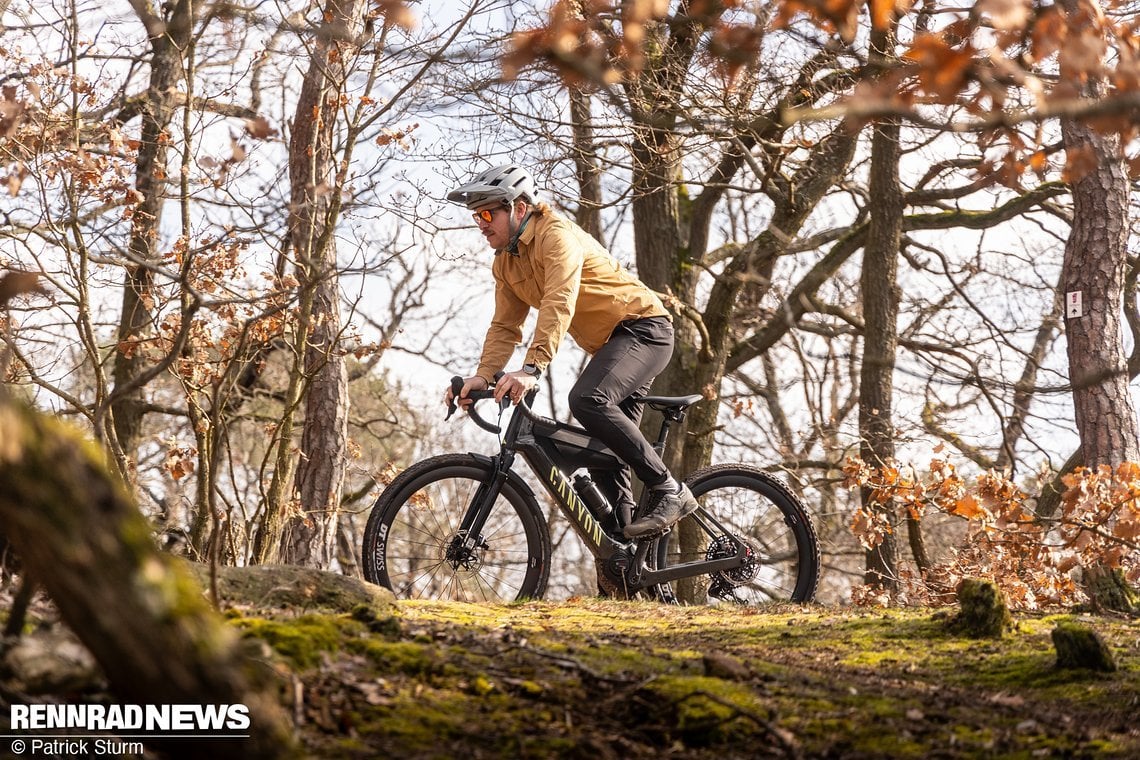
(414, 546)
(744, 504)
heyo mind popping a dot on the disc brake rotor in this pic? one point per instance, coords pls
(461, 557)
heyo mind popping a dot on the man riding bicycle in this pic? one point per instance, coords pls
(547, 262)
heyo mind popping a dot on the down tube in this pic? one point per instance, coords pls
(562, 491)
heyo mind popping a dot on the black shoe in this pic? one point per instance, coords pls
(664, 510)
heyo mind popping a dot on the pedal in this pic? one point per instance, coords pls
(652, 536)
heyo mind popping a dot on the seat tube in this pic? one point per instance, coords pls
(662, 437)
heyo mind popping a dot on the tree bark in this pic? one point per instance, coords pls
(589, 213)
(144, 619)
(169, 41)
(1094, 267)
(880, 296)
(308, 537)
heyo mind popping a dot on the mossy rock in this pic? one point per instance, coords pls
(301, 589)
(1079, 646)
(983, 612)
(49, 661)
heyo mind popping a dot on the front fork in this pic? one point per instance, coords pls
(470, 536)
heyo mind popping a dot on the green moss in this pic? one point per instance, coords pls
(1079, 646)
(301, 640)
(481, 686)
(385, 625)
(706, 710)
(410, 658)
(530, 688)
(983, 612)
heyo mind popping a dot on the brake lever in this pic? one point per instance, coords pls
(456, 389)
(505, 402)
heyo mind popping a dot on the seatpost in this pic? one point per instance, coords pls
(668, 417)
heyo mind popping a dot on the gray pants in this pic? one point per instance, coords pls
(604, 401)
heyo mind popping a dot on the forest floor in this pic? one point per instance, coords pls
(596, 678)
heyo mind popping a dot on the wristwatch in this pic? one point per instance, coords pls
(532, 370)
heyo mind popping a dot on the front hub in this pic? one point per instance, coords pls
(464, 555)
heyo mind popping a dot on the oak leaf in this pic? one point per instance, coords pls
(969, 507)
(259, 128)
(1005, 15)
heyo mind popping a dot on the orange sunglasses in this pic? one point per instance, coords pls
(486, 214)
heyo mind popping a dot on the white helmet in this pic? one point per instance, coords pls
(505, 183)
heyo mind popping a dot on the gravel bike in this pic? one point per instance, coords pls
(466, 526)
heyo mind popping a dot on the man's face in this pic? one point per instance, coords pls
(497, 230)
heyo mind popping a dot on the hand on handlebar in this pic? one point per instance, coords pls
(514, 385)
(457, 393)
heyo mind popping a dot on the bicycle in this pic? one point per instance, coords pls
(466, 526)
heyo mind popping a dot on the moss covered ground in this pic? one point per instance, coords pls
(601, 679)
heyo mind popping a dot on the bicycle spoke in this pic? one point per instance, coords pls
(418, 550)
(746, 510)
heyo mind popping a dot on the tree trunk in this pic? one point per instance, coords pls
(169, 42)
(1094, 268)
(880, 315)
(1093, 276)
(589, 213)
(144, 619)
(309, 537)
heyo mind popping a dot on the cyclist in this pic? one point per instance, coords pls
(546, 262)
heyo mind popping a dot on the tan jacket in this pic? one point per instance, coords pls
(574, 283)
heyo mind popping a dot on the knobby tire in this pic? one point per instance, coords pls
(757, 506)
(410, 540)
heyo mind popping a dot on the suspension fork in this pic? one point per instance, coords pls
(471, 528)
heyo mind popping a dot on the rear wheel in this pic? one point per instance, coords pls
(741, 504)
(413, 544)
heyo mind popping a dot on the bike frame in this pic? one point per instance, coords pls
(536, 437)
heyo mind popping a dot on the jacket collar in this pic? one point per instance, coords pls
(524, 235)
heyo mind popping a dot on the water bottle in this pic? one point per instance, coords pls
(588, 492)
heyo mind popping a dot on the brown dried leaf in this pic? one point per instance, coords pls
(1005, 15)
(943, 69)
(395, 13)
(259, 129)
(238, 151)
(17, 283)
(969, 507)
(11, 115)
(882, 14)
(1083, 54)
(16, 180)
(1079, 161)
(1048, 34)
